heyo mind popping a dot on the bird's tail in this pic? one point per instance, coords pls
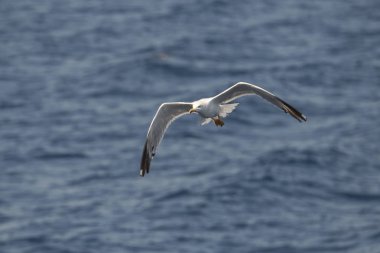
(227, 109)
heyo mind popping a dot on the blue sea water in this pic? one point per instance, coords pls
(81, 80)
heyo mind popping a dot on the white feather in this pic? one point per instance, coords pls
(227, 109)
(205, 121)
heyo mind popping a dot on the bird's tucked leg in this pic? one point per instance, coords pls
(218, 121)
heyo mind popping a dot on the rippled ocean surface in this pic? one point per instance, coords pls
(81, 80)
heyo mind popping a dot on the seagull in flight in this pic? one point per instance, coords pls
(209, 109)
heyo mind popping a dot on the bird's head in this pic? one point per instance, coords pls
(200, 106)
(197, 107)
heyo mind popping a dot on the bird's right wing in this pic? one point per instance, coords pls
(165, 115)
(242, 89)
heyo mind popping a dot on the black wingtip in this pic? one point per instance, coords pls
(145, 161)
(293, 111)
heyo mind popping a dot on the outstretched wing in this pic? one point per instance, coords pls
(242, 89)
(165, 115)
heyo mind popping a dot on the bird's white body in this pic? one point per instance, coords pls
(206, 108)
(209, 110)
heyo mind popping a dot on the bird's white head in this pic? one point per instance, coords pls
(199, 106)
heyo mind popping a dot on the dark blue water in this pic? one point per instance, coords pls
(81, 80)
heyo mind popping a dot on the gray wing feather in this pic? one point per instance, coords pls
(242, 89)
(165, 115)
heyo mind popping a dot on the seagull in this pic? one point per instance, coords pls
(209, 109)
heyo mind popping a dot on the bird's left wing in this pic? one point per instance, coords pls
(242, 89)
(165, 115)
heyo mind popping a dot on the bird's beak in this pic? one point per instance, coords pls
(192, 110)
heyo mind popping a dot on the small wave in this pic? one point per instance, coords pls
(361, 197)
(308, 156)
(11, 104)
(58, 156)
(175, 194)
(99, 175)
(375, 235)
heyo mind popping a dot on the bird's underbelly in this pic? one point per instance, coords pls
(210, 112)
